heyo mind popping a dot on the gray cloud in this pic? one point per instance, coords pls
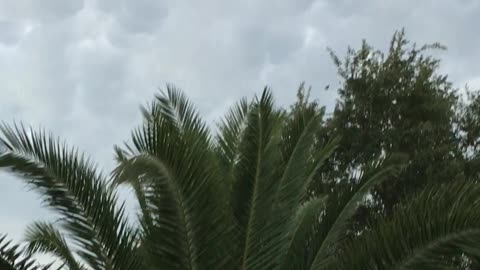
(45, 11)
(136, 16)
(11, 31)
(82, 68)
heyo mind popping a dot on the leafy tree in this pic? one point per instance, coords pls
(469, 127)
(396, 102)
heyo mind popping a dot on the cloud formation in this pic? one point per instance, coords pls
(82, 68)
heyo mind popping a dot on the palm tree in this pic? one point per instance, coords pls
(238, 200)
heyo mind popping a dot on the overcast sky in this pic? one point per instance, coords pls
(82, 68)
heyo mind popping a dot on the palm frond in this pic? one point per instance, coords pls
(122, 176)
(171, 156)
(335, 223)
(426, 231)
(301, 164)
(45, 238)
(70, 185)
(254, 185)
(230, 133)
(293, 182)
(12, 257)
(306, 217)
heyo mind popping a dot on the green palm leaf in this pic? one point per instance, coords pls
(46, 238)
(306, 217)
(426, 231)
(254, 185)
(70, 185)
(302, 162)
(335, 221)
(230, 134)
(172, 158)
(12, 257)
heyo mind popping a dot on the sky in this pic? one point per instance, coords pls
(81, 69)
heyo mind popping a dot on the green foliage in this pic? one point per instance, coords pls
(171, 160)
(397, 102)
(275, 188)
(12, 257)
(70, 185)
(418, 239)
(46, 238)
